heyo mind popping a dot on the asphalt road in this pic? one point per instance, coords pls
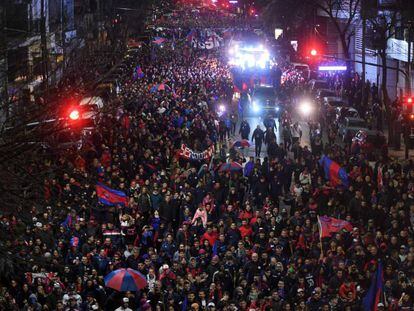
(254, 121)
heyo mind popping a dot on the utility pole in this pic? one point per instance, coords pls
(409, 60)
(63, 29)
(3, 47)
(363, 47)
(43, 43)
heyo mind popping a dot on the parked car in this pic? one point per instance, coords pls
(345, 112)
(350, 126)
(321, 93)
(315, 85)
(372, 143)
(330, 103)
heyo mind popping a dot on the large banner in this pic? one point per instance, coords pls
(189, 154)
(206, 41)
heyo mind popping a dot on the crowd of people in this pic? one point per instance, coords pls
(204, 237)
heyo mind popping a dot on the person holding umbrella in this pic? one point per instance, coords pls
(258, 137)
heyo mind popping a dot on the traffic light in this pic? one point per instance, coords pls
(408, 104)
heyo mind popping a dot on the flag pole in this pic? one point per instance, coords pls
(320, 236)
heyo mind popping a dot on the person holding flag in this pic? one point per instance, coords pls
(375, 296)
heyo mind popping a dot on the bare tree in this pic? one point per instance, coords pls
(383, 28)
(343, 14)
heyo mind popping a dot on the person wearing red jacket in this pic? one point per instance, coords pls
(210, 235)
(245, 229)
(347, 291)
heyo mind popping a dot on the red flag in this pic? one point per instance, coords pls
(330, 225)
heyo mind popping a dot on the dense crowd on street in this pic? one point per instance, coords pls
(207, 238)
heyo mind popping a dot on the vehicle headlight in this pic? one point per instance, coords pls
(255, 107)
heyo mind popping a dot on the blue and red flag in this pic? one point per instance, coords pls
(333, 172)
(329, 225)
(227, 33)
(154, 88)
(138, 73)
(374, 293)
(74, 241)
(159, 40)
(190, 36)
(110, 196)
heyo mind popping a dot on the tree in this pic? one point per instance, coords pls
(343, 14)
(383, 28)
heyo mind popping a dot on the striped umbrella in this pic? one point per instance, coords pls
(125, 280)
(241, 143)
(231, 167)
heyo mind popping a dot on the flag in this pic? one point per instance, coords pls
(190, 36)
(132, 43)
(173, 43)
(138, 73)
(67, 223)
(336, 174)
(158, 40)
(154, 88)
(184, 304)
(175, 95)
(380, 181)
(236, 89)
(374, 293)
(161, 87)
(215, 248)
(74, 241)
(329, 225)
(110, 196)
(227, 33)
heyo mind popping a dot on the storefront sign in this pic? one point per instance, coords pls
(398, 49)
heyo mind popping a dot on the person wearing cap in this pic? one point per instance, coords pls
(124, 306)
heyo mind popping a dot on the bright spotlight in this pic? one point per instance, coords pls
(306, 108)
(249, 59)
(222, 108)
